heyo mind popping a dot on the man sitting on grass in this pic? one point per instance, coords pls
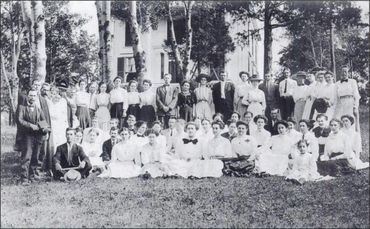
(70, 156)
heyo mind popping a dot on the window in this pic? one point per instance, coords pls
(128, 35)
(121, 67)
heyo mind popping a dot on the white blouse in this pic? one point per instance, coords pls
(82, 99)
(119, 95)
(347, 88)
(300, 93)
(151, 153)
(123, 151)
(147, 98)
(218, 147)
(262, 136)
(133, 98)
(102, 100)
(244, 146)
(203, 94)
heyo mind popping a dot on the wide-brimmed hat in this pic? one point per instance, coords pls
(201, 76)
(72, 175)
(255, 77)
(301, 74)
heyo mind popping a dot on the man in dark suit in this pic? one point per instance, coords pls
(232, 133)
(271, 90)
(166, 99)
(271, 122)
(46, 151)
(32, 125)
(70, 155)
(108, 144)
(223, 96)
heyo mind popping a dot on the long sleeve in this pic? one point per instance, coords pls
(263, 100)
(159, 103)
(105, 154)
(173, 103)
(356, 93)
(82, 155)
(57, 156)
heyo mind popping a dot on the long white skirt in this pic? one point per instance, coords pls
(96, 161)
(196, 167)
(156, 169)
(274, 164)
(123, 169)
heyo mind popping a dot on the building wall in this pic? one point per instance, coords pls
(242, 59)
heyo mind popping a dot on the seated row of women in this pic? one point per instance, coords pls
(211, 152)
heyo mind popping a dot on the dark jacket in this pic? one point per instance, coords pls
(272, 128)
(28, 121)
(107, 150)
(78, 155)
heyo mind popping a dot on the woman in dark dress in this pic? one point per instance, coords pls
(147, 103)
(186, 101)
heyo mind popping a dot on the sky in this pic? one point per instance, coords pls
(87, 9)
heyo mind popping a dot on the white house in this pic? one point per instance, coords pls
(244, 58)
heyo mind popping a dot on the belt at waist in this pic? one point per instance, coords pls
(202, 100)
(334, 154)
(345, 96)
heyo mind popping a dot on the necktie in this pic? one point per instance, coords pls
(286, 86)
(186, 141)
(171, 133)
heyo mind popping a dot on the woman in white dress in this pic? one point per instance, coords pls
(300, 97)
(292, 132)
(93, 148)
(207, 133)
(58, 117)
(261, 135)
(302, 167)
(309, 100)
(153, 157)
(147, 103)
(82, 100)
(319, 94)
(139, 139)
(102, 103)
(305, 126)
(79, 136)
(329, 94)
(125, 161)
(242, 89)
(218, 146)
(275, 156)
(203, 107)
(255, 98)
(338, 156)
(160, 139)
(355, 140)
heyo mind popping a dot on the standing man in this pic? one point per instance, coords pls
(286, 88)
(271, 90)
(223, 96)
(33, 126)
(166, 99)
(41, 103)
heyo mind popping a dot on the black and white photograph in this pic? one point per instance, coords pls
(184, 114)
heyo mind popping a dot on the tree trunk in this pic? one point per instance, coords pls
(146, 32)
(138, 51)
(313, 48)
(267, 49)
(101, 53)
(173, 43)
(332, 55)
(188, 5)
(29, 32)
(4, 73)
(39, 57)
(108, 42)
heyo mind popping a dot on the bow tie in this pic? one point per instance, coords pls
(186, 141)
(140, 136)
(344, 80)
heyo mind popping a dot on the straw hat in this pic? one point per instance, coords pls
(72, 175)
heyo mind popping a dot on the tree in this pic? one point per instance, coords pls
(105, 39)
(310, 44)
(33, 16)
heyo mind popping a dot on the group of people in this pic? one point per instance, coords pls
(305, 129)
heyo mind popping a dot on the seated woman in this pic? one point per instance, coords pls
(186, 161)
(244, 148)
(321, 132)
(261, 134)
(292, 132)
(355, 140)
(218, 146)
(273, 158)
(161, 139)
(152, 156)
(302, 167)
(102, 135)
(305, 126)
(207, 133)
(93, 149)
(125, 160)
(248, 118)
(232, 132)
(139, 139)
(220, 117)
(338, 153)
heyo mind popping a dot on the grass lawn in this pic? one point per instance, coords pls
(223, 202)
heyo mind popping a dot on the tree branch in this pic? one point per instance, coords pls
(285, 23)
